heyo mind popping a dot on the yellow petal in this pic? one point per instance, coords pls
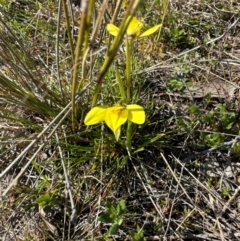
(115, 117)
(134, 27)
(150, 30)
(112, 29)
(136, 114)
(95, 115)
(117, 133)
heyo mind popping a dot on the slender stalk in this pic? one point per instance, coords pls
(114, 47)
(70, 38)
(86, 46)
(79, 46)
(120, 85)
(129, 43)
(128, 69)
(110, 57)
(129, 136)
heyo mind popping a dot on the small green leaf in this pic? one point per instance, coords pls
(138, 236)
(114, 215)
(175, 84)
(121, 208)
(109, 205)
(119, 221)
(106, 218)
(225, 192)
(113, 229)
(213, 139)
(236, 148)
(194, 109)
(48, 199)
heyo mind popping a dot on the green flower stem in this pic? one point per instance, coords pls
(129, 136)
(80, 41)
(129, 43)
(120, 85)
(110, 57)
(68, 28)
(128, 68)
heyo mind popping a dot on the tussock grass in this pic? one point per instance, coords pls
(59, 178)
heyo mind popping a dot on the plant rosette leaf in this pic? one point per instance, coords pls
(121, 208)
(107, 218)
(113, 229)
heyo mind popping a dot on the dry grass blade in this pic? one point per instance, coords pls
(21, 65)
(65, 112)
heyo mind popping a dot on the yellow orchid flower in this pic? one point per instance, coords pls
(115, 116)
(133, 29)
